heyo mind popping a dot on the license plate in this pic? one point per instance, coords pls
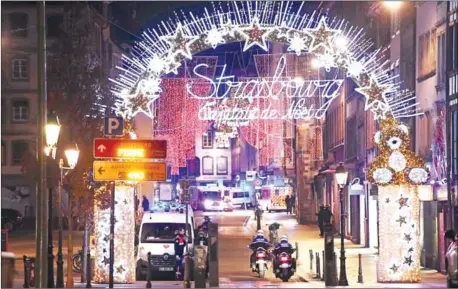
(166, 269)
(284, 266)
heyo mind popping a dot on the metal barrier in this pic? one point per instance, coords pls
(318, 267)
(148, 273)
(360, 269)
(324, 266)
(29, 271)
(311, 260)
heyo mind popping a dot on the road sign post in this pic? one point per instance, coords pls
(129, 171)
(130, 148)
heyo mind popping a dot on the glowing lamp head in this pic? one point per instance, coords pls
(341, 175)
(52, 130)
(72, 156)
(392, 5)
(48, 151)
(136, 176)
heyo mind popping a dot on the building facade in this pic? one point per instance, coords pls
(452, 104)
(19, 87)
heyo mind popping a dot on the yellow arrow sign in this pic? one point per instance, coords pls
(129, 171)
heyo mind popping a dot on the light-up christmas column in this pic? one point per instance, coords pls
(397, 171)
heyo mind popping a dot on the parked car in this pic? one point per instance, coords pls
(11, 219)
(451, 259)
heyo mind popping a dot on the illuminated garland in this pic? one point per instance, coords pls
(334, 44)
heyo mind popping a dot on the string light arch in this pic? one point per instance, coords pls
(335, 44)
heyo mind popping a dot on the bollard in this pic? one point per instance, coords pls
(318, 269)
(311, 260)
(148, 273)
(334, 270)
(200, 266)
(26, 272)
(187, 271)
(297, 251)
(360, 270)
(324, 266)
(88, 270)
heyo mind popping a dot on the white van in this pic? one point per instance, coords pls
(157, 236)
(241, 197)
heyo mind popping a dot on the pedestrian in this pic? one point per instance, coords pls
(293, 202)
(320, 215)
(145, 204)
(288, 204)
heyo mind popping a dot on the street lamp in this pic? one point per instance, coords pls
(341, 178)
(393, 5)
(52, 130)
(72, 155)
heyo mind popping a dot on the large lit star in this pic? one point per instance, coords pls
(322, 36)
(255, 35)
(179, 43)
(374, 92)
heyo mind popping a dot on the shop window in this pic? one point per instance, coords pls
(221, 166)
(20, 111)
(207, 140)
(427, 54)
(19, 148)
(54, 25)
(20, 69)
(207, 165)
(18, 24)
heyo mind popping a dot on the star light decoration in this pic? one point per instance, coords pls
(375, 94)
(255, 34)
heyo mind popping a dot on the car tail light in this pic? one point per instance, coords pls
(284, 258)
(261, 255)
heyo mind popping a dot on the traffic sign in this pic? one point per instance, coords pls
(130, 148)
(129, 171)
(114, 125)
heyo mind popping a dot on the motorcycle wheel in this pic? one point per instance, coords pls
(76, 263)
(262, 273)
(285, 275)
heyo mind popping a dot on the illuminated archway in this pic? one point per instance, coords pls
(334, 44)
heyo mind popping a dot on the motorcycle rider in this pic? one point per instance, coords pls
(258, 241)
(283, 247)
(180, 244)
(204, 225)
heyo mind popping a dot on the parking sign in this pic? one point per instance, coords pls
(114, 125)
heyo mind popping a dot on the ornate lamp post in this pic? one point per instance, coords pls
(72, 156)
(52, 130)
(341, 178)
(72, 159)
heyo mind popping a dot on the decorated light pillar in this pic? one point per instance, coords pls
(124, 236)
(398, 172)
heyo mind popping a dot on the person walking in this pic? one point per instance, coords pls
(320, 215)
(288, 204)
(293, 203)
(145, 204)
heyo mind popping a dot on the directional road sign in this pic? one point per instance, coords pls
(129, 171)
(130, 148)
(114, 125)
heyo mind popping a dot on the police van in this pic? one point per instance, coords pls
(157, 236)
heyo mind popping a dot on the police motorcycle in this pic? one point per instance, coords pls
(260, 254)
(284, 265)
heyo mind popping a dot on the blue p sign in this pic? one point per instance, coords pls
(114, 126)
